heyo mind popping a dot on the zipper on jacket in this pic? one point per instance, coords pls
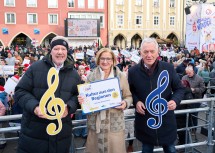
(155, 129)
(157, 137)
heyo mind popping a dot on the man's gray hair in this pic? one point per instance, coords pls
(149, 40)
(189, 68)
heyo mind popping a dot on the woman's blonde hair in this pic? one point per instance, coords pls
(81, 67)
(103, 50)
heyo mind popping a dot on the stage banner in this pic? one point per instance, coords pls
(100, 95)
(200, 28)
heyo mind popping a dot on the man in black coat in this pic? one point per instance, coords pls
(156, 91)
(180, 69)
(29, 91)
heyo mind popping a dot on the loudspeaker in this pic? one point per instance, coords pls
(187, 10)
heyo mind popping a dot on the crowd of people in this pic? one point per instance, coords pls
(191, 72)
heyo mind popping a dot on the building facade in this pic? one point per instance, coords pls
(132, 20)
(122, 22)
(26, 22)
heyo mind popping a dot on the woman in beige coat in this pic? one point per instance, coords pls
(106, 128)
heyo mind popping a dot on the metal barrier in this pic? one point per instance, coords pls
(209, 123)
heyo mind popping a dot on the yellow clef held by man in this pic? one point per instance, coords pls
(52, 107)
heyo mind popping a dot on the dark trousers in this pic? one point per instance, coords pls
(193, 116)
(181, 123)
(148, 148)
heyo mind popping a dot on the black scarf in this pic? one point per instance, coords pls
(150, 70)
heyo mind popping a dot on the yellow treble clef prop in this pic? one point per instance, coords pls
(55, 106)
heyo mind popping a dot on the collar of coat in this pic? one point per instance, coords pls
(68, 63)
(95, 75)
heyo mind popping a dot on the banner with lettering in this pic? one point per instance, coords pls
(90, 52)
(207, 27)
(125, 53)
(6, 70)
(100, 95)
(79, 55)
(116, 52)
(200, 28)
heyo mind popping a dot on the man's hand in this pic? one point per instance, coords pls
(38, 112)
(192, 89)
(171, 105)
(65, 112)
(140, 108)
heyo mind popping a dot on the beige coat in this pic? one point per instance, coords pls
(106, 128)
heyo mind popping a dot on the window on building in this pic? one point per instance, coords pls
(120, 2)
(81, 4)
(89, 16)
(156, 3)
(77, 16)
(71, 3)
(138, 19)
(9, 2)
(172, 20)
(83, 16)
(156, 20)
(10, 18)
(52, 3)
(120, 19)
(100, 4)
(91, 3)
(72, 16)
(172, 3)
(31, 3)
(139, 2)
(32, 18)
(53, 19)
(101, 21)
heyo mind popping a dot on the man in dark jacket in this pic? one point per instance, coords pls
(31, 88)
(156, 91)
(180, 69)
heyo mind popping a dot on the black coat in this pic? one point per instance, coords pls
(141, 84)
(28, 92)
(180, 69)
(187, 96)
(181, 118)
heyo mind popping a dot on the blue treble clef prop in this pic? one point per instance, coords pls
(155, 104)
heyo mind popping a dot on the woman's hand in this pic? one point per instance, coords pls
(122, 106)
(84, 78)
(80, 99)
